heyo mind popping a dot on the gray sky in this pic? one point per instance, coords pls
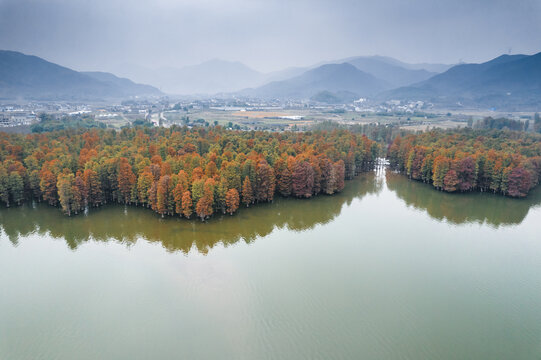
(266, 34)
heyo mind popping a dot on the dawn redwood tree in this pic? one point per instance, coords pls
(65, 191)
(450, 181)
(153, 196)
(47, 186)
(467, 174)
(204, 205)
(33, 182)
(187, 204)
(220, 192)
(198, 188)
(284, 183)
(328, 176)
(79, 191)
(144, 183)
(4, 185)
(518, 182)
(16, 187)
(162, 194)
(247, 193)
(126, 180)
(303, 179)
(178, 191)
(265, 182)
(92, 186)
(232, 201)
(339, 170)
(440, 169)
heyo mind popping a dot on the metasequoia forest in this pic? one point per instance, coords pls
(506, 162)
(177, 171)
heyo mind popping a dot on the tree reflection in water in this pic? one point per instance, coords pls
(460, 208)
(128, 224)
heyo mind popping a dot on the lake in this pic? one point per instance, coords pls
(387, 269)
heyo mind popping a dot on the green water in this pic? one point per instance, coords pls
(388, 269)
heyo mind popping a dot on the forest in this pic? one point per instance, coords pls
(501, 161)
(177, 171)
(47, 122)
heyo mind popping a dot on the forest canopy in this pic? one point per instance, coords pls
(177, 171)
(502, 161)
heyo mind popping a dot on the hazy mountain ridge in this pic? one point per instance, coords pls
(511, 82)
(430, 67)
(508, 81)
(210, 77)
(222, 76)
(126, 85)
(394, 75)
(330, 77)
(31, 77)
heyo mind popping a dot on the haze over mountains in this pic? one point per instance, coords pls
(30, 77)
(221, 76)
(210, 77)
(509, 81)
(330, 77)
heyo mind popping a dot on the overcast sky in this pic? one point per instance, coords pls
(266, 34)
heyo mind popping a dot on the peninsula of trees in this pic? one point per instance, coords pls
(502, 161)
(177, 171)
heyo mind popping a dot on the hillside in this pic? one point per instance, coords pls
(331, 77)
(26, 76)
(511, 82)
(126, 86)
(430, 67)
(394, 75)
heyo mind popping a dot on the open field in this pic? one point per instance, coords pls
(288, 119)
(260, 114)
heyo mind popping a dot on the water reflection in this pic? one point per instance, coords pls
(128, 224)
(482, 208)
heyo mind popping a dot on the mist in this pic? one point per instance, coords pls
(265, 35)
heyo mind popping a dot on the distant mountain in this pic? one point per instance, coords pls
(430, 67)
(331, 77)
(25, 76)
(394, 75)
(284, 74)
(340, 97)
(211, 77)
(507, 82)
(126, 86)
(221, 76)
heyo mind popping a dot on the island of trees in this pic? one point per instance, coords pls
(501, 161)
(177, 171)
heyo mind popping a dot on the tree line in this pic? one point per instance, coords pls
(48, 122)
(501, 124)
(506, 162)
(177, 171)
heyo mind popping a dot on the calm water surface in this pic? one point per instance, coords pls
(388, 269)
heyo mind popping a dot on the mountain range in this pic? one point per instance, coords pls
(330, 77)
(511, 82)
(221, 76)
(30, 77)
(362, 76)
